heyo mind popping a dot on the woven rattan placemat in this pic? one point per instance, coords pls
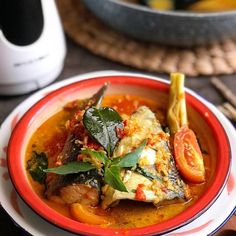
(88, 31)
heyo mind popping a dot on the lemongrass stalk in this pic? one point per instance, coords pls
(177, 113)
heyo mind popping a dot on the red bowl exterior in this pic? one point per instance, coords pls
(19, 179)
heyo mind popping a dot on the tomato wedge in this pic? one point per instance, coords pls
(188, 155)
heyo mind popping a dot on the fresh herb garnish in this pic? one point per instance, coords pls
(112, 178)
(73, 167)
(101, 123)
(36, 165)
(100, 156)
(112, 167)
(131, 158)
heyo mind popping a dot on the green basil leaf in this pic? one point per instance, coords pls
(131, 158)
(101, 124)
(71, 168)
(112, 178)
(101, 156)
(36, 165)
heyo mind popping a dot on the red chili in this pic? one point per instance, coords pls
(151, 142)
(125, 122)
(80, 157)
(93, 145)
(158, 166)
(120, 132)
(139, 195)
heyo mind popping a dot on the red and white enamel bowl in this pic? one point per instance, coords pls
(53, 102)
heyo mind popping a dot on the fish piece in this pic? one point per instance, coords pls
(84, 188)
(79, 193)
(68, 154)
(155, 179)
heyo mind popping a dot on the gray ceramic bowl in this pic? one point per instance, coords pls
(165, 27)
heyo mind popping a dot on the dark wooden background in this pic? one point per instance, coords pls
(79, 61)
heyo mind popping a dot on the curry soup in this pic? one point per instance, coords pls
(51, 136)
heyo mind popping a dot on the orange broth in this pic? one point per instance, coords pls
(51, 135)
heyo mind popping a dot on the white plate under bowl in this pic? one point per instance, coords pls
(207, 224)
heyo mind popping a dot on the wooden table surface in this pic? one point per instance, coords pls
(79, 61)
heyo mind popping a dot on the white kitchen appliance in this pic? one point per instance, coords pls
(32, 45)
